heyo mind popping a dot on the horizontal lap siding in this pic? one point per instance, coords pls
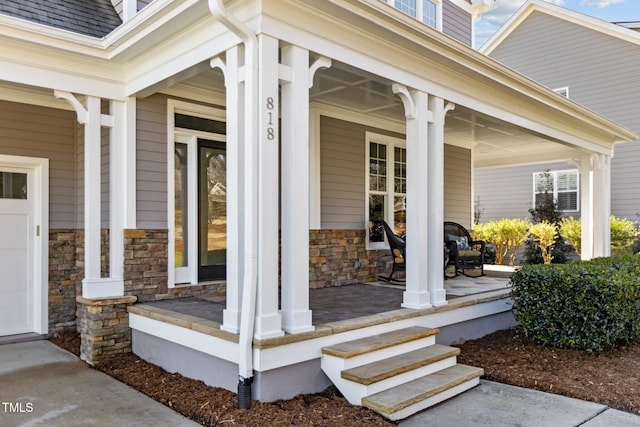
(342, 172)
(32, 131)
(151, 163)
(456, 22)
(508, 192)
(601, 72)
(457, 185)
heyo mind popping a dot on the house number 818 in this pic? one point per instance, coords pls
(271, 132)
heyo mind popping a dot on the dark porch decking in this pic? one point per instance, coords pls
(334, 304)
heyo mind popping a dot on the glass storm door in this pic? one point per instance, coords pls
(212, 210)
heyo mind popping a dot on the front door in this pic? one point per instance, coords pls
(17, 276)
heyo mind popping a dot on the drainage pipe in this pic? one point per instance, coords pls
(250, 220)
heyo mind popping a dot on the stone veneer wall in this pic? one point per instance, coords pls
(146, 269)
(64, 277)
(340, 257)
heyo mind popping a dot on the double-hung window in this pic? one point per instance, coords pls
(561, 186)
(425, 11)
(386, 186)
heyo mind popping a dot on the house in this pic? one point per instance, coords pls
(150, 152)
(589, 61)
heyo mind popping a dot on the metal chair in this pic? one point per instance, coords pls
(464, 253)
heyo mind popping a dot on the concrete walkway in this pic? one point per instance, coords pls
(499, 405)
(43, 385)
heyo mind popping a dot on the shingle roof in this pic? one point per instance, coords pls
(95, 18)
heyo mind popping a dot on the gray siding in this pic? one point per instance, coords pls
(27, 130)
(508, 192)
(601, 72)
(342, 170)
(457, 185)
(456, 23)
(151, 150)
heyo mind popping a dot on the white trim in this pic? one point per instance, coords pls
(40, 169)
(188, 274)
(555, 174)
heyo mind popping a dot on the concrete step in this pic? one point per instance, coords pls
(406, 399)
(397, 365)
(350, 349)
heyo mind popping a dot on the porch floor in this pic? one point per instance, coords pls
(339, 303)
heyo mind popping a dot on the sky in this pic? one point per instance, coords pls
(608, 10)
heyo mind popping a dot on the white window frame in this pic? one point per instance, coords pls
(420, 11)
(187, 275)
(554, 175)
(391, 143)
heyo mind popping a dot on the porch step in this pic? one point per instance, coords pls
(393, 366)
(406, 399)
(397, 373)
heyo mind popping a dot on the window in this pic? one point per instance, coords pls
(425, 11)
(559, 186)
(386, 182)
(564, 91)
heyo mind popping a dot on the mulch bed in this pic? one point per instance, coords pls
(610, 377)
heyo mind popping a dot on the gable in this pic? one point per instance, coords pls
(95, 18)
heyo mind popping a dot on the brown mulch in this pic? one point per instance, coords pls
(610, 377)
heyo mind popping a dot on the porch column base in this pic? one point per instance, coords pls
(439, 297)
(230, 321)
(416, 300)
(297, 322)
(268, 327)
(102, 288)
(103, 324)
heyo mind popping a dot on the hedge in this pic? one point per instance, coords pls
(588, 305)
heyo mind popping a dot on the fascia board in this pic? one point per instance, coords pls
(577, 18)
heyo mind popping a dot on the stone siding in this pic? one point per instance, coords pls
(104, 327)
(64, 276)
(340, 257)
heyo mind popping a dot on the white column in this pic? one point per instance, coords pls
(234, 93)
(268, 321)
(417, 114)
(296, 316)
(90, 114)
(602, 206)
(435, 216)
(586, 207)
(92, 192)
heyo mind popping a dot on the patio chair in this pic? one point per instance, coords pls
(397, 247)
(464, 253)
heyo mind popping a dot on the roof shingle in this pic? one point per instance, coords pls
(95, 18)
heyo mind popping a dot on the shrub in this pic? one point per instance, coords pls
(623, 234)
(571, 229)
(545, 234)
(507, 235)
(587, 305)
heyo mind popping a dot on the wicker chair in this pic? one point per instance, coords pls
(464, 253)
(397, 247)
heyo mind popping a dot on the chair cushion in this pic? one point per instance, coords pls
(468, 253)
(461, 241)
(397, 253)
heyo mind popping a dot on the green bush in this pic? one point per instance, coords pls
(588, 305)
(545, 234)
(623, 234)
(507, 235)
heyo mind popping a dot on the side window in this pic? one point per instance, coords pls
(426, 11)
(386, 186)
(560, 186)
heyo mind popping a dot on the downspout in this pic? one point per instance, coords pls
(249, 284)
